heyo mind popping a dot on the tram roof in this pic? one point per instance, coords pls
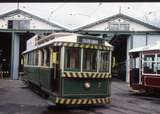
(146, 48)
(64, 37)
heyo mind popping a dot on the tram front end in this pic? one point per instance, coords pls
(85, 75)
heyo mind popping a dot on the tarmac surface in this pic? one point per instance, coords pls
(16, 98)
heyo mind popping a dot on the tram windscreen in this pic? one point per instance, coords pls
(104, 61)
(72, 59)
(90, 60)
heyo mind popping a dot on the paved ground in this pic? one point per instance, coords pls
(15, 98)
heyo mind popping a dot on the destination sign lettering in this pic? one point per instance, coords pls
(89, 41)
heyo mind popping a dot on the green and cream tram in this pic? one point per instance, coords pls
(71, 69)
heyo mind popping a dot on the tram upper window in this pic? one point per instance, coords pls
(104, 61)
(90, 60)
(149, 57)
(72, 59)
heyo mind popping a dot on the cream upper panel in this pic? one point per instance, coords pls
(105, 26)
(34, 23)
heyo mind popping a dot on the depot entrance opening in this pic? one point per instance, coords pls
(7, 49)
(5, 54)
(119, 56)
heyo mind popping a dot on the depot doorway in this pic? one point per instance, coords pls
(5, 54)
(119, 56)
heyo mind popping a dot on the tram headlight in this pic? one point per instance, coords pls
(87, 85)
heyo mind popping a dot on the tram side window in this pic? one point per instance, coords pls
(158, 64)
(104, 61)
(72, 59)
(24, 59)
(150, 68)
(36, 57)
(42, 58)
(32, 58)
(90, 60)
(158, 58)
(149, 65)
(158, 68)
(29, 58)
(48, 57)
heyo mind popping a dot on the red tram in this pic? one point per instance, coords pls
(145, 68)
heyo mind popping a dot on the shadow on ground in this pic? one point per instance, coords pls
(74, 109)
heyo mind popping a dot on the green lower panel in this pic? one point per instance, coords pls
(45, 75)
(76, 87)
(32, 74)
(39, 76)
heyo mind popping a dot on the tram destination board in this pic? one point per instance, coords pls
(90, 40)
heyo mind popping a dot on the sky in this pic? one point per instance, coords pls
(74, 15)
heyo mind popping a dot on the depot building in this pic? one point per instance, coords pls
(122, 31)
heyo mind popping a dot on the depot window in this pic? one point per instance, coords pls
(114, 27)
(72, 59)
(90, 60)
(18, 24)
(124, 27)
(119, 26)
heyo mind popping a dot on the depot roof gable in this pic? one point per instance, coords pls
(122, 16)
(18, 11)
